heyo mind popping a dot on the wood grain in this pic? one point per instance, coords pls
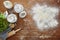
(29, 30)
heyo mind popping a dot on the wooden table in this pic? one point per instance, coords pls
(29, 30)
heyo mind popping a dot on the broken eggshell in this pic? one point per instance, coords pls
(12, 18)
(22, 14)
(18, 8)
(8, 4)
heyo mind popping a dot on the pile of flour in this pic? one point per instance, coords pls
(45, 16)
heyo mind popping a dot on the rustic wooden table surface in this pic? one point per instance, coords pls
(29, 30)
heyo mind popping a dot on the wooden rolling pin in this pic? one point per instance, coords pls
(13, 32)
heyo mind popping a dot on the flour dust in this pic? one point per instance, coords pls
(45, 16)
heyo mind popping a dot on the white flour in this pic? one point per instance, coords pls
(45, 16)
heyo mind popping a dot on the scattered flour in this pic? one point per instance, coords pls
(45, 16)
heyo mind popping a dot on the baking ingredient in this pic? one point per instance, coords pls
(18, 8)
(8, 4)
(45, 16)
(22, 14)
(12, 18)
(3, 23)
(12, 25)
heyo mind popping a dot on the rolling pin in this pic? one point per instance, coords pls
(13, 32)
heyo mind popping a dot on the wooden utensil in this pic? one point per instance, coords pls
(13, 32)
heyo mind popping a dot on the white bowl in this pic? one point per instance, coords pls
(12, 18)
(8, 4)
(18, 8)
(22, 14)
(6, 14)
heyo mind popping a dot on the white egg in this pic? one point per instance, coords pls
(8, 4)
(18, 8)
(12, 18)
(22, 14)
